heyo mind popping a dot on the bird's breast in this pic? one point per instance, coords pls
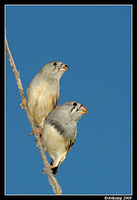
(54, 143)
(42, 99)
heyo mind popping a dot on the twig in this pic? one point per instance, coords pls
(52, 180)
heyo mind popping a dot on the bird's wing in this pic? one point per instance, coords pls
(70, 143)
(55, 101)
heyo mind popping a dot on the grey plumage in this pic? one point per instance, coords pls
(60, 130)
(43, 91)
(56, 125)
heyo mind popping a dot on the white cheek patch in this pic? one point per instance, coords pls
(75, 109)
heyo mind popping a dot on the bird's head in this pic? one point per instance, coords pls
(69, 111)
(54, 69)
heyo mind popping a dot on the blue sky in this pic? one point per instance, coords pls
(95, 42)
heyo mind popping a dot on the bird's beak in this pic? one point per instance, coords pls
(82, 110)
(64, 67)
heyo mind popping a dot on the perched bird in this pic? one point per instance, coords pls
(59, 132)
(43, 91)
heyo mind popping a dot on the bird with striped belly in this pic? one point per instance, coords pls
(59, 132)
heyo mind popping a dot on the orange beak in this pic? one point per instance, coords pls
(82, 110)
(64, 67)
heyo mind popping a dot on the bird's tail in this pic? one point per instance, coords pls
(55, 169)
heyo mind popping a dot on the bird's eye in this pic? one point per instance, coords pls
(55, 63)
(75, 104)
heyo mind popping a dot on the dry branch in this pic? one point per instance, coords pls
(52, 180)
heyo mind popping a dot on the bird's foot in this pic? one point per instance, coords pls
(48, 166)
(36, 131)
(46, 169)
(22, 104)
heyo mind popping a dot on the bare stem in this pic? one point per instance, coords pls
(52, 180)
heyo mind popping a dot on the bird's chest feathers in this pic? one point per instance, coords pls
(54, 142)
(47, 89)
(45, 92)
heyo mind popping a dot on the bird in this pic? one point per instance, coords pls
(43, 91)
(59, 132)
